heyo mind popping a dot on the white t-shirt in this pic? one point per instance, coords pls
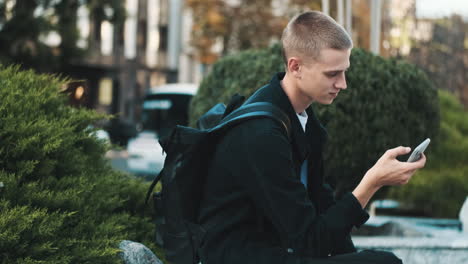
(303, 120)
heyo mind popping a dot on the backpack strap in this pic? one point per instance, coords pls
(254, 111)
(214, 116)
(153, 184)
(164, 144)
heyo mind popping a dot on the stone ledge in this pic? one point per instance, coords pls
(137, 253)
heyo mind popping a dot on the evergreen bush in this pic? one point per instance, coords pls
(388, 103)
(61, 202)
(442, 186)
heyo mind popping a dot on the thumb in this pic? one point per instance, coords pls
(394, 152)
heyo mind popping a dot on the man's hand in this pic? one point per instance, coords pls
(387, 171)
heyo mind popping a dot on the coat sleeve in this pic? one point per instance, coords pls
(327, 198)
(262, 162)
(344, 245)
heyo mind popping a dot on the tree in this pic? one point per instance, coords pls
(225, 26)
(222, 27)
(446, 46)
(25, 26)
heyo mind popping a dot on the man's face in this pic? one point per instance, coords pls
(322, 79)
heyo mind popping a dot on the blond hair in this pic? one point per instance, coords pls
(310, 32)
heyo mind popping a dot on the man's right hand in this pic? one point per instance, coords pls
(387, 171)
(390, 171)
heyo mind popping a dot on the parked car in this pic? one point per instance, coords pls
(145, 155)
(163, 108)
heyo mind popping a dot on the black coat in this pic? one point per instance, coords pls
(256, 209)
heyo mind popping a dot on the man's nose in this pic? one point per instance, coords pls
(341, 82)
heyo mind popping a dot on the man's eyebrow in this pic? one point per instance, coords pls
(336, 71)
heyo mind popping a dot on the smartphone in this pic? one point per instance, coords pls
(416, 154)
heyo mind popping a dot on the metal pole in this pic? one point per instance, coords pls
(340, 13)
(376, 21)
(349, 17)
(175, 8)
(326, 7)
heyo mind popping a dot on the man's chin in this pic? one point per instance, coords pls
(330, 100)
(327, 101)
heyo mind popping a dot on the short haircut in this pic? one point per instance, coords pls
(310, 32)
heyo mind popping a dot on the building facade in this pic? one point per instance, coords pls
(150, 48)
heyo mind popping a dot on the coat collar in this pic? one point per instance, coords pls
(304, 144)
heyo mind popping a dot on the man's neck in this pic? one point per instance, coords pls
(298, 100)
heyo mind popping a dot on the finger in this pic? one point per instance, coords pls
(407, 177)
(405, 181)
(394, 152)
(420, 163)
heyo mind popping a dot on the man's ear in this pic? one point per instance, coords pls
(294, 67)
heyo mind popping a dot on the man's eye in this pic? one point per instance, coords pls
(332, 74)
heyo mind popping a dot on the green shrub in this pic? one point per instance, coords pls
(442, 186)
(61, 201)
(388, 103)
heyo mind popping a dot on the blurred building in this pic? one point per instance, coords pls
(151, 47)
(398, 26)
(437, 45)
(440, 47)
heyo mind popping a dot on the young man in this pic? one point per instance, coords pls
(265, 197)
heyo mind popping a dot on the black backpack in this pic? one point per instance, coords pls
(189, 151)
